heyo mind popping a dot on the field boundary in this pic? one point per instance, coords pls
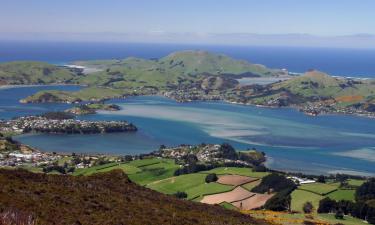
(324, 194)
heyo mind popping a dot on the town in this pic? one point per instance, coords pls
(61, 124)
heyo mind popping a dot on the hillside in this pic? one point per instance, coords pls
(24, 72)
(313, 92)
(106, 198)
(176, 68)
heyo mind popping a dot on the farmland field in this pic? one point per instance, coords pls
(342, 195)
(237, 171)
(152, 170)
(300, 197)
(319, 188)
(128, 169)
(193, 184)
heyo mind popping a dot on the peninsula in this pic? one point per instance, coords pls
(198, 75)
(61, 123)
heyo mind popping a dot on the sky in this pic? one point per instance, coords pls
(223, 21)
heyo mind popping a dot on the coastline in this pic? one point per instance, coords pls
(9, 86)
(162, 94)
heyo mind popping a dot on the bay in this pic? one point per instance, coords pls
(291, 140)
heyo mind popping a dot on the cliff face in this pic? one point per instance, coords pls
(108, 198)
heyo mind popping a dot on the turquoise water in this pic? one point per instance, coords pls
(291, 140)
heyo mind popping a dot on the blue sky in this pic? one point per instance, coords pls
(169, 20)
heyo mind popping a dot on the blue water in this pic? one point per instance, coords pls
(10, 106)
(291, 140)
(342, 62)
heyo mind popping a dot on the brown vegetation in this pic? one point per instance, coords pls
(350, 98)
(107, 198)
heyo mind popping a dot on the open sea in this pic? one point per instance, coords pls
(291, 140)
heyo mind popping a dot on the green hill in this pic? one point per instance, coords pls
(24, 72)
(176, 68)
(104, 198)
(313, 92)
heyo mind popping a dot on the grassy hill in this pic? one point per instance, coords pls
(324, 92)
(178, 67)
(318, 84)
(24, 72)
(104, 198)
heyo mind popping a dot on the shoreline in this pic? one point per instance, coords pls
(10, 86)
(295, 107)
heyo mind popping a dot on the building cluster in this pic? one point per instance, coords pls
(183, 95)
(207, 153)
(299, 180)
(18, 158)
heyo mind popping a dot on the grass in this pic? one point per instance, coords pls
(193, 184)
(152, 170)
(145, 162)
(284, 218)
(300, 197)
(354, 182)
(251, 185)
(237, 171)
(319, 188)
(348, 220)
(128, 169)
(342, 195)
(227, 205)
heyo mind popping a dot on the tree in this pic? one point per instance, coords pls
(308, 207)
(366, 191)
(227, 151)
(321, 179)
(274, 181)
(327, 205)
(211, 178)
(280, 201)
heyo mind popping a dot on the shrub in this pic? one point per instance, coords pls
(339, 215)
(308, 207)
(180, 194)
(211, 178)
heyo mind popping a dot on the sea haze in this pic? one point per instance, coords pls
(291, 140)
(340, 62)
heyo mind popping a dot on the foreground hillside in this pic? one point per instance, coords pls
(106, 198)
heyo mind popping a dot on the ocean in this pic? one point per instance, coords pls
(338, 62)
